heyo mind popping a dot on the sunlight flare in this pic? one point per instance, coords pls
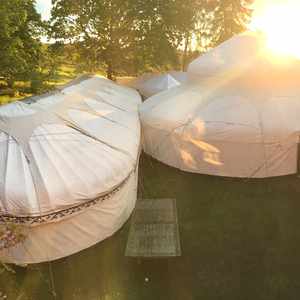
(280, 21)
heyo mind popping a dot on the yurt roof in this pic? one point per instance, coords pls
(151, 85)
(247, 61)
(224, 113)
(67, 148)
(237, 53)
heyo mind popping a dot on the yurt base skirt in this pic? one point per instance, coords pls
(52, 241)
(221, 158)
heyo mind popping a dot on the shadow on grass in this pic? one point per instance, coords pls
(240, 240)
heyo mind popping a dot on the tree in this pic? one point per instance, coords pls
(123, 35)
(154, 44)
(164, 30)
(100, 29)
(20, 48)
(221, 19)
(187, 20)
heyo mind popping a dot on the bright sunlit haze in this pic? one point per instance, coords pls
(279, 21)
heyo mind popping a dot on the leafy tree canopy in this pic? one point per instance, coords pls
(130, 35)
(20, 48)
(222, 19)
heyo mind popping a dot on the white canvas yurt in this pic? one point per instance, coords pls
(233, 57)
(68, 168)
(242, 120)
(149, 85)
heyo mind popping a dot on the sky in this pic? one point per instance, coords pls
(44, 8)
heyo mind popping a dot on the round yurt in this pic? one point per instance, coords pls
(68, 168)
(149, 85)
(238, 115)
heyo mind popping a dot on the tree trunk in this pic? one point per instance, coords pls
(185, 51)
(109, 71)
(10, 83)
(298, 160)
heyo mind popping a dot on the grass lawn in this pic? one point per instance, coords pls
(65, 73)
(240, 241)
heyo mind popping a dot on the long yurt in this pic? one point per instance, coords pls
(238, 115)
(68, 168)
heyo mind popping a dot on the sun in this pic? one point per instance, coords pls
(280, 21)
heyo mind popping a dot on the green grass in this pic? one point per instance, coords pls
(65, 73)
(240, 241)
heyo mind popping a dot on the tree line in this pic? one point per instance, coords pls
(119, 37)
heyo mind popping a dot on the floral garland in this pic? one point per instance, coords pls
(10, 236)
